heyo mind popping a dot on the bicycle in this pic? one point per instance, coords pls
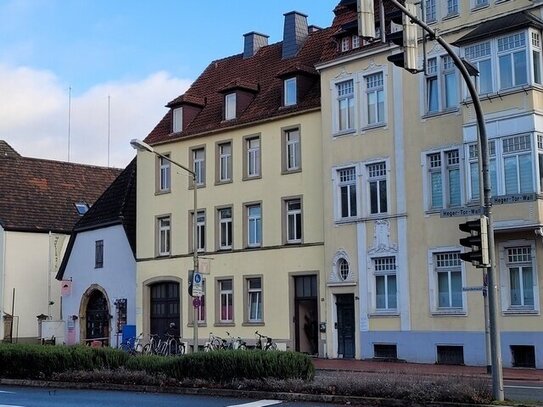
(171, 346)
(214, 343)
(133, 345)
(235, 342)
(152, 347)
(268, 345)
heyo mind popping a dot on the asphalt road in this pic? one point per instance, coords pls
(39, 397)
(523, 391)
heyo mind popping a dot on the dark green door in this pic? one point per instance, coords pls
(345, 325)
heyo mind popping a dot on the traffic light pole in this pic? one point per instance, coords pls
(495, 342)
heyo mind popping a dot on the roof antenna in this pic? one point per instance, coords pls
(108, 126)
(69, 118)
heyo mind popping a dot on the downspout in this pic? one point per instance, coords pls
(2, 279)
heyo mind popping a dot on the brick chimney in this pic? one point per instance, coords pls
(252, 42)
(294, 33)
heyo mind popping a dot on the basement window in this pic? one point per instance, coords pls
(450, 355)
(385, 351)
(523, 355)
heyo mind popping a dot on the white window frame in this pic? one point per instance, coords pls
(293, 151)
(199, 165)
(385, 268)
(344, 92)
(290, 92)
(225, 162)
(505, 278)
(254, 293)
(164, 174)
(345, 180)
(476, 4)
(164, 234)
(372, 177)
(430, 11)
(228, 295)
(230, 102)
(438, 71)
(253, 156)
(452, 8)
(430, 167)
(375, 112)
(254, 225)
(177, 120)
(294, 217)
(201, 231)
(433, 266)
(225, 228)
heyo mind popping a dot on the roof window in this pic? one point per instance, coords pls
(81, 207)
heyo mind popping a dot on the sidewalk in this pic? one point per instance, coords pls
(372, 366)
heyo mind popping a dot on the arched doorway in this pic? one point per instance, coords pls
(97, 318)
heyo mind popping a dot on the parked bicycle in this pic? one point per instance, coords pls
(268, 342)
(215, 343)
(133, 345)
(235, 342)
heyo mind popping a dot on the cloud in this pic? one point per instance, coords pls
(34, 112)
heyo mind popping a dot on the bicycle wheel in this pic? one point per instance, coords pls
(273, 346)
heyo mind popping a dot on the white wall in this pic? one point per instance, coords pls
(117, 277)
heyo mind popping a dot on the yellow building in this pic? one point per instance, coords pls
(250, 129)
(400, 165)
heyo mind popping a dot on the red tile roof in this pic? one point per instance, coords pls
(38, 195)
(259, 74)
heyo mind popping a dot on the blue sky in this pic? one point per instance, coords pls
(138, 54)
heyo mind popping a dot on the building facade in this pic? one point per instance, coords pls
(402, 163)
(249, 128)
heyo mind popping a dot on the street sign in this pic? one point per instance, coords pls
(481, 288)
(196, 302)
(197, 285)
(457, 212)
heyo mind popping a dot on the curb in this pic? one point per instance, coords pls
(319, 398)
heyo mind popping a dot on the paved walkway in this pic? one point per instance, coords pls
(425, 369)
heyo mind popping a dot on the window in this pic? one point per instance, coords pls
(517, 164)
(293, 219)
(442, 89)
(345, 105)
(164, 235)
(252, 157)
(343, 269)
(444, 179)
(377, 183)
(230, 106)
(225, 162)
(347, 192)
(177, 119)
(226, 298)
(385, 283)
(480, 55)
(449, 281)
(200, 231)
(512, 60)
(375, 99)
(199, 165)
(98, 254)
(345, 44)
(473, 152)
(292, 150)
(289, 89)
(452, 7)
(521, 277)
(225, 228)
(254, 299)
(81, 208)
(536, 56)
(480, 3)
(201, 310)
(164, 180)
(254, 225)
(355, 41)
(430, 11)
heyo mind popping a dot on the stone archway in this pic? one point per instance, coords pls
(94, 316)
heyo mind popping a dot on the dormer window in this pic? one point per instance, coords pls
(230, 106)
(345, 44)
(177, 119)
(290, 93)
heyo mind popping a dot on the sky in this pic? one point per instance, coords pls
(80, 78)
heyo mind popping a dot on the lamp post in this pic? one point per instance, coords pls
(142, 146)
(495, 343)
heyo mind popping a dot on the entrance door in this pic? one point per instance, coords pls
(345, 325)
(306, 315)
(97, 317)
(164, 306)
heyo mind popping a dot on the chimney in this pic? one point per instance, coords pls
(252, 42)
(294, 34)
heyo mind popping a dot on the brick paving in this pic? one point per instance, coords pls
(372, 366)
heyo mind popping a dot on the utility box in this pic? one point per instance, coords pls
(50, 329)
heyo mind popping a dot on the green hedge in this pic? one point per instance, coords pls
(38, 361)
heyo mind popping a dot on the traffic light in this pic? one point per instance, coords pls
(366, 19)
(406, 38)
(477, 241)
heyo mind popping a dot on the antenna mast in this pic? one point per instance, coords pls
(108, 127)
(69, 118)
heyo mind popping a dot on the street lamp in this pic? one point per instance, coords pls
(142, 146)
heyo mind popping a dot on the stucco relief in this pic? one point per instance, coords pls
(335, 277)
(382, 244)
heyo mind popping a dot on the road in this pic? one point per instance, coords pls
(40, 397)
(523, 391)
